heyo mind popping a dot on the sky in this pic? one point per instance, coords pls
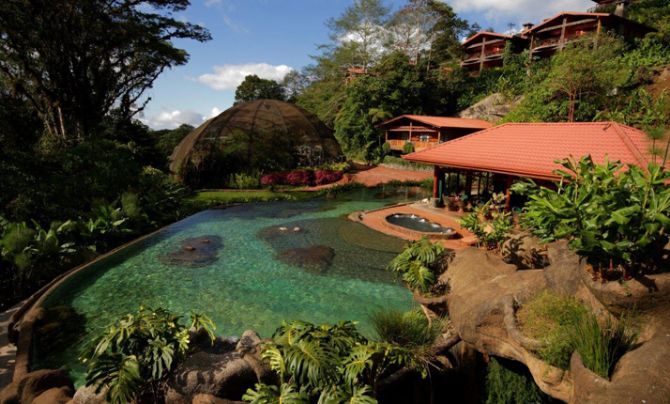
(269, 38)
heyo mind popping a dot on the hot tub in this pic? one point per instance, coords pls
(420, 225)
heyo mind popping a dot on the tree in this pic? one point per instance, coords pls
(256, 88)
(294, 84)
(363, 24)
(447, 32)
(427, 25)
(75, 60)
(589, 67)
(394, 87)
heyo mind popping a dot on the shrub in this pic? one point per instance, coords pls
(328, 363)
(135, 356)
(245, 180)
(509, 382)
(617, 218)
(420, 264)
(386, 148)
(322, 177)
(489, 223)
(409, 329)
(273, 179)
(408, 148)
(299, 178)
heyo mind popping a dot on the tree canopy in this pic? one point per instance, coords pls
(256, 88)
(75, 60)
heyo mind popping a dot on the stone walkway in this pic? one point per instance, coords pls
(7, 350)
(377, 176)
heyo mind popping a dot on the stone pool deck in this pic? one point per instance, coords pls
(376, 220)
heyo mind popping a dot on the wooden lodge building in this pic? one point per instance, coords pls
(424, 132)
(485, 49)
(489, 161)
(554, 33)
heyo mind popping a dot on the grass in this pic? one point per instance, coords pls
(510, 382)
(408, 329)
(564, 325)
(601, 345)
(240, 196)
(398, 161)
(549, 318)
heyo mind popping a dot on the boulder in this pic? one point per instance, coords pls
(210, 399)
(59, 395)
(34, 384)
(195, 252)
(317, 258)
(525, 251)
(226, 372)
(482, 299)
(492, 108)
(87, 395)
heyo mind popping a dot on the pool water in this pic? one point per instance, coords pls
(417, 223)
(246, 286)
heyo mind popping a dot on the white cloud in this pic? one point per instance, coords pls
(172, 119)
(228, 77)
(519, 11)
(215, 112)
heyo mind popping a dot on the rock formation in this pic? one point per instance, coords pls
(482, 299)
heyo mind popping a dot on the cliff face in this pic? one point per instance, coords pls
(492, 108)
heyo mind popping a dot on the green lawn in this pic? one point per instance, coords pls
(235, 196)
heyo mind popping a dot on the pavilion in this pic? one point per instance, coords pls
(493, 158)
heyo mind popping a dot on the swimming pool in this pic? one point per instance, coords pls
(263, 263)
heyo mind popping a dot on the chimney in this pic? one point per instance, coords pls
(621, 6)
(528, 26)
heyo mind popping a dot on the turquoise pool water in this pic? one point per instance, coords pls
(247, 286)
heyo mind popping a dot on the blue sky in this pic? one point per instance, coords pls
(270, 37)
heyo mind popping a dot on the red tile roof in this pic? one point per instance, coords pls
(442, 122)
(485, 33)
(531, 149)
(549, 20)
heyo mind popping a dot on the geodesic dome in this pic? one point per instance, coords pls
(265, 135)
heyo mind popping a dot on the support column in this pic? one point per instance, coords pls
(437, 172)
(482, 55)
(468, 184)
(508, 194)
(562, 40)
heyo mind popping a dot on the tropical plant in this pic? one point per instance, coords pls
(616, 217)
(328, 364)
(420, 264)
(135, 355)
(490, 223)
(409, 329)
